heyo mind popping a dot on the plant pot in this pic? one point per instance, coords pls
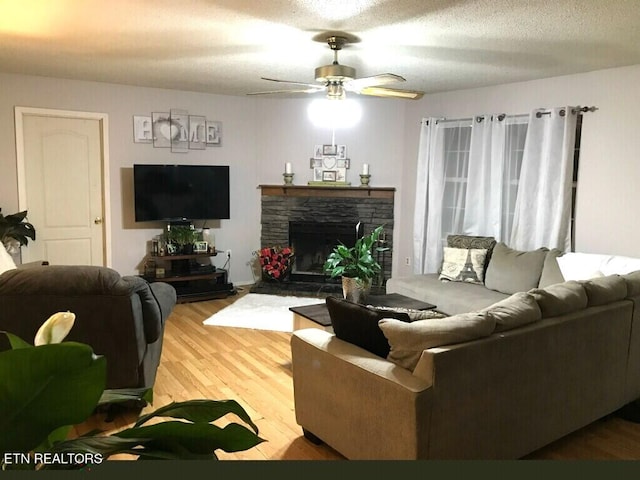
(355, 289)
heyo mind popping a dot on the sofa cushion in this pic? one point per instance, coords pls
(633, 283)
(551, 273)
(449, 297)
(515, 311)
(456, 259)
(560, 298)
(357, 324)
(603, 290)
(409, 340)
(512, 271)
(6, 262)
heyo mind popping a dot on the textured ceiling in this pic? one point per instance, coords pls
(226, 46)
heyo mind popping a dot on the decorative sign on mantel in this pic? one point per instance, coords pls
(329, 164)
(177, 130)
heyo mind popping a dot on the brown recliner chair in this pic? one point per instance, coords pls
(120, 317)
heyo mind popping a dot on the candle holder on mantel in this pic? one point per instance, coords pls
(364, 180)
(288, 178)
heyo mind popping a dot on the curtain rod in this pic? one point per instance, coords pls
(502, 116)
(579, 110)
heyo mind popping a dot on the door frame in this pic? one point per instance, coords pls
(103, 122)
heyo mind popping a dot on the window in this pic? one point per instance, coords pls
(456, 140)
(457, 143)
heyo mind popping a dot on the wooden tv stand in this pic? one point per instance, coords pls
(193, 282)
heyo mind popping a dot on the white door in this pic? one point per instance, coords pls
(61, 165)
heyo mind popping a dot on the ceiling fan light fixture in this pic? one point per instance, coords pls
(327, 113)
(335, 91)
(327, 73)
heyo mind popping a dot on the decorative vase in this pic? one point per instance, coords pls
(356, 290)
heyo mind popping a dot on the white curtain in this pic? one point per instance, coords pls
(542, 216)
(483, 206)
(424, 174)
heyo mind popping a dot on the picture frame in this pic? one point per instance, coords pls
(342, 152)
(142, 129)
(197, 132)
(329, 176)
(162, 129)
(213, 133)
(317, 151)
(201, 247)
(315, 162)
(329, 150)
(343, 163)
(180, 140)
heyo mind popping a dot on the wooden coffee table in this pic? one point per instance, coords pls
(317, 315)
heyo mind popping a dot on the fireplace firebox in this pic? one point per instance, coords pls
(312, 243)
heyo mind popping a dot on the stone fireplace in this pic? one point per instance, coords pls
(313, 219)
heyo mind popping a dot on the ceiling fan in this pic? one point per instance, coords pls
(336, 79)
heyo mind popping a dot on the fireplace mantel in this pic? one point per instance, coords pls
(327, 191)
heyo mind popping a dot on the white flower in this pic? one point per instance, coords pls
(55, 328)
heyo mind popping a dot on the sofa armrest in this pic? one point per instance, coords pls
(360, 404)
(369, 362)
(156, 300)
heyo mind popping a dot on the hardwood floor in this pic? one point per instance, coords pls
(254, 368)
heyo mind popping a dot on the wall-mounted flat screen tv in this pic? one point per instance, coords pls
(180, 192)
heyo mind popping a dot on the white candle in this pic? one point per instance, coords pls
(287, 168)
(365, 169)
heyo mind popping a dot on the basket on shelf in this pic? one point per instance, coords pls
(275, 262)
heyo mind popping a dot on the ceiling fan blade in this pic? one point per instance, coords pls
(375, 80)
(305, 90)
(310, 85)
(391, 93)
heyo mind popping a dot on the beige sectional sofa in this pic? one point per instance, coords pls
(502, 376)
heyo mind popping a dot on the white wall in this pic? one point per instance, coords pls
(609, 174)
(259, 136)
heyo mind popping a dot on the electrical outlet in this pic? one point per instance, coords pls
(228, 252)
(407, 261)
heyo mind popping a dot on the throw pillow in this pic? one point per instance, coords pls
(409, 340)
(412, 313)
(581, 266)
(6, 262)
(551, 272)
(468, 241)
(512, 271)
(601, 291)
(463, 265)
(473, 241)
(357, 324)
(560, 298)
(515, 311)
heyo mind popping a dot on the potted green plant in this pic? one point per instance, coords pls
(15, 231)
(356, 265)
(183, 237)
(54, 384)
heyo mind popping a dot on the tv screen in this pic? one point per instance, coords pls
(180, 192)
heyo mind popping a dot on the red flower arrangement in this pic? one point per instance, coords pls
(275, 262)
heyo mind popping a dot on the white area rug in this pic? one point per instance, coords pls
(261, 312)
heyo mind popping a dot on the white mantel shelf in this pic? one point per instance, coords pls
(327, 191)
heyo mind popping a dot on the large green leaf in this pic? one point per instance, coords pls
(200, 410)
(44, 388)
(195, 438)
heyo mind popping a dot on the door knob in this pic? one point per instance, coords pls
(98, 220)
